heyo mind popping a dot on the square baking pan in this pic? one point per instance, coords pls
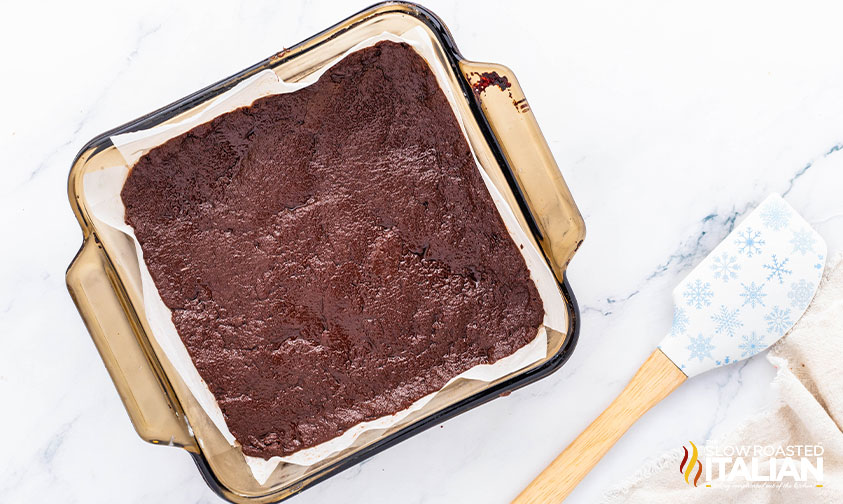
(509, 148)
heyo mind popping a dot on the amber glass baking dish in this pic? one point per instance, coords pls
(509, 147)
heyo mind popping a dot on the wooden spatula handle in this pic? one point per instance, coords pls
(656, 378)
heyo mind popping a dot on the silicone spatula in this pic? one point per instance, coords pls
(741, 299)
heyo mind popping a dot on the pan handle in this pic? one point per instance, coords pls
(503, 106)
(156, 417)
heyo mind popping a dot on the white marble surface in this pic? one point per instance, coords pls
(669, 119)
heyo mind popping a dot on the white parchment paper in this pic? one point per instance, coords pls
(102, 189)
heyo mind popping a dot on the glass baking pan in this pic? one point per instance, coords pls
(509, 147)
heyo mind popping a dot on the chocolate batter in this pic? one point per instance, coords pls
(331, 255)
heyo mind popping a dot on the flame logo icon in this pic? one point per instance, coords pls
(686, 467)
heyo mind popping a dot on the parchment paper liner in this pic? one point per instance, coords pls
(103, 190)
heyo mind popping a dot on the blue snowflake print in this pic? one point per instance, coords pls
(777, 269)
(725, 267)
(727, 321)
(698, 294)
(749, 242)
(753, 294)
(680, 322)
(752, 344)
(700, 347)
(775, 215)
(778, 321)
(802, 241)
(725, 361)
(800, 293)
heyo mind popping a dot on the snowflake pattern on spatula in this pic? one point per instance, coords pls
(751, 287)
(753, 294)
(778, 269)
(749, 242)
(728, 321)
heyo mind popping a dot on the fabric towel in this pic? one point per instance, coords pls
(809, 384)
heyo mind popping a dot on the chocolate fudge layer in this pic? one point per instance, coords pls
(331, 255)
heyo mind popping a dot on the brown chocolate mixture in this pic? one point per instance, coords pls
(331, 255)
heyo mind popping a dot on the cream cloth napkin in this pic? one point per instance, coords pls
(809, 383)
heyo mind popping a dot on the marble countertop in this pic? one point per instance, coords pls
(669, 123)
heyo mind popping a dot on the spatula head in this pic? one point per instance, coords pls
(748, 292)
